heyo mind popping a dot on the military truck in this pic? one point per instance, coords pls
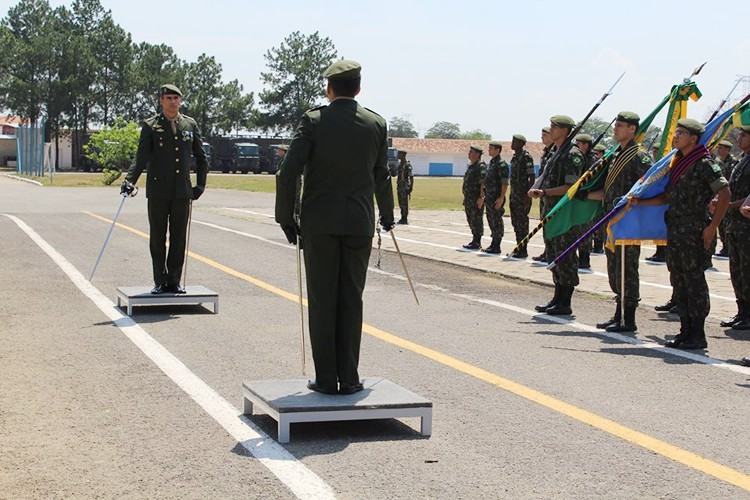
(393, 161)
(232, 155)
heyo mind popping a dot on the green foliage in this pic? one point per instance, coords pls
(236, 109)
(444, 130)
(114, 148)
(595, 126)
(476, 135)
(293, 82)
(202, 91)
(401, 127)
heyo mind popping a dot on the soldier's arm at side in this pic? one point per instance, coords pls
(142, 156)
(530, 170)
(290, 170)
(201, 165)
(383, 186)
(745, 208)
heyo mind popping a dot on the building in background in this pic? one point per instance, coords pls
(448, 157)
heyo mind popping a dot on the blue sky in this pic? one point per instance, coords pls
(504, 67)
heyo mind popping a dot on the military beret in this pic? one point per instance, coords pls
(629, 117)
(496, 144)
(745, 128)
(169, 88)
(545, 129)
(584, 138)
(726, 144)
(343, 69)
(520, 137)
(693, 126)
(600, 147)
(562, 121)
(476, 148)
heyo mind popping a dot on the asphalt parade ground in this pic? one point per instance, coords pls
(99, 405)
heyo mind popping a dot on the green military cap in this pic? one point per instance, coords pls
(169, 88)
(600, 147)
(745, 128)
(562, 121)
(343, 69)
(629, 117)
(545, 129)
(584, 138)
(476, 148)
(726, 144)
(693, 126)
(520, 137)
(496, 144)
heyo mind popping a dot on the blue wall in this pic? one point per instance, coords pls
(441, 169)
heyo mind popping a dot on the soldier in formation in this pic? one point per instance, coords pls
(473, 200)
(521, 180)
(495, 186)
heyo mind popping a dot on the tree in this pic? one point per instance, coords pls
(476, 135)
(236, 109)
(444, 130)
(401, 127)
(152, 66)
(114, 148)
(202, 91)
(293, 81)
(113, 50)
(594, 126)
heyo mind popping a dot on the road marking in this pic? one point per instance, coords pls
(292, 473)
(667, 450)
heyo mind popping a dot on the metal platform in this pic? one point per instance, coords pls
(141, 296)
(290, 401)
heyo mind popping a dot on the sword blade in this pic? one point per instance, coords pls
(301, 307)
(109, 235)
(187, 244)
(403, 264)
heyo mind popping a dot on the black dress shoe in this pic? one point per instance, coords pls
(174, 289)
(746, 361)
(313, 386)
(472, 246)
(402, 220)
(492, 250)
(681, 342)
(722, 253)
(729, 323)
(350, 389)
(559, 310)
(584, 265)
(743, 324)
(608, 323)
(665, 307)
(521, 254)
(620, 327)
(157, 289)
(540, 258)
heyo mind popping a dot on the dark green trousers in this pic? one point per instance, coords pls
(336, 269)
(163, 216)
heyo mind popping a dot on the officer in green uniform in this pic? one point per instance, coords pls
(343, 151)
(521, 180)
(546, 155)
(726, 162)
(559, 174)
(165, 147)
(599, 236)
(628, 164)
(584, 143)
(690, 231)
(404, 186)
(738, 234)
(495, 186)
(473, 200)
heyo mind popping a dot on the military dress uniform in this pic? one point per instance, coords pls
(164, 151)
(726, 165)
(738, 234)
(404, 187)
(472, 191)
(521, 180)
(342, 150)
(496, 177)
(686, 218)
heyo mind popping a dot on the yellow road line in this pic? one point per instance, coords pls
(690, 459)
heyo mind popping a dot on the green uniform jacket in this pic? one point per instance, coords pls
(342, 150)
(496, 177)
(688, 198)
(521, 172)
(405, 178)
(166, 156)
(566, 169)
(473, 179)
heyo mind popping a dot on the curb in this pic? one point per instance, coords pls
(22, 179)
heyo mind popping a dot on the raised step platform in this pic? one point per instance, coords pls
(141, 296)
(290, 401)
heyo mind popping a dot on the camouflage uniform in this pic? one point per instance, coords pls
(726, 165)
(472, 190)
(404, 186)
(739, 235)
(584, 249)
(546, 156)
(686, 217)
(564, 170)
(521, 180)
(629, 175)
(495, 178)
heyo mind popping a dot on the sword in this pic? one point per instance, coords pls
(187, 244)
(301, 307)
(403, 264)
(109, 233)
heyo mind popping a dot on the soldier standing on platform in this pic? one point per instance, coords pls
(343, 151)
(473, 199)
(404, 186)
(495, 186)
(165, 147)
(521, 180)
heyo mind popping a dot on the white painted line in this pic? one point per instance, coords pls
(533, 314)
(292, 473)
(22, 179)
(245, 211)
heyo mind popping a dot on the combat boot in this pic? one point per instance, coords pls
(665, 307)
(494, 247)
(520, 254)
(598, 247)
(682, 336)
(403, 220)
(741, 314)
(584, 263)
(562, 307)
(659, 256)
(612, 321)
(626, 324)
(541, 257)
(472, 245)
(743, 322)
(555, 298)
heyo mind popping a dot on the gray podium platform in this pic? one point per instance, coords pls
(130, 296)
(290, 401)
